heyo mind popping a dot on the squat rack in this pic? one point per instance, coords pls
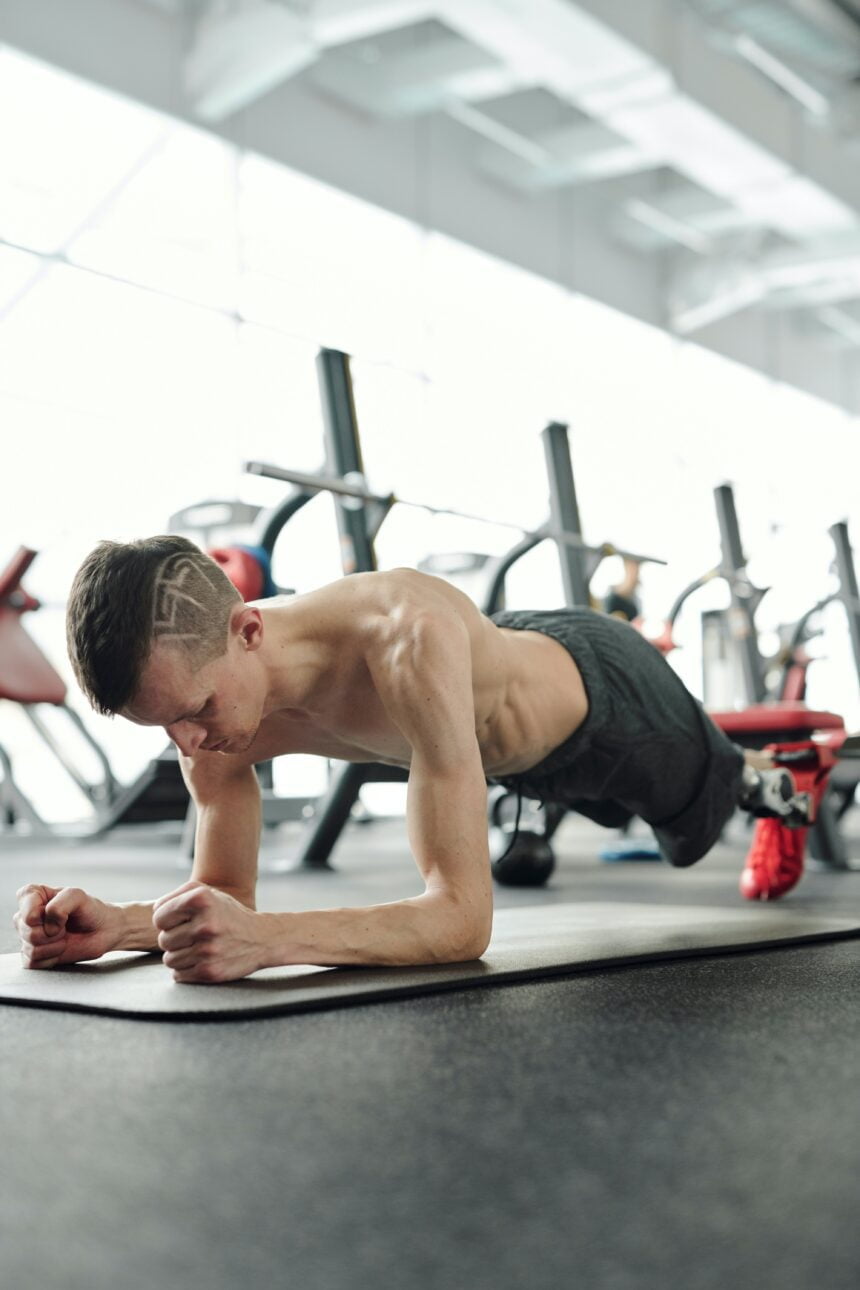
(360, 512)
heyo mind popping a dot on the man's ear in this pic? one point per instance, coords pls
(247, 623)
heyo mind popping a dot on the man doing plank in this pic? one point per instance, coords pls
(396, 667)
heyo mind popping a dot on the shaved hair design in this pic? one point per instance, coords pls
(128, 595)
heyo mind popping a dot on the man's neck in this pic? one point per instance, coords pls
(291, 659)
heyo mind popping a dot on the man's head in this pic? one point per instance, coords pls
(145, 625)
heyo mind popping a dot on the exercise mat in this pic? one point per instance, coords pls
(528, 943)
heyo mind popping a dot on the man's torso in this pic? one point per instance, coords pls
(528, 693)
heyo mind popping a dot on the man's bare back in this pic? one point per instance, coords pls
(528, 693)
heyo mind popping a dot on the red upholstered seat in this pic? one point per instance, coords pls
(25, 674)
(10, 577)
(765, 723)
(778, 717)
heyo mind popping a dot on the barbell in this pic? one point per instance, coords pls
(355, 487)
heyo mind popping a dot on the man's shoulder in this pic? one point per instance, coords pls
(370, 611)
(382, 591)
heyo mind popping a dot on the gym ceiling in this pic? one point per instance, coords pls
(694, 163)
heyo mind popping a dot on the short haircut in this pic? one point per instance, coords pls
(128, 595)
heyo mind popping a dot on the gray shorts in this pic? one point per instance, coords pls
(646, 747)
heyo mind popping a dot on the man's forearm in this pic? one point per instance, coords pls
(424, 929)
(227, 838)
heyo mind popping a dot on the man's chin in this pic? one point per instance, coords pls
(239, 744)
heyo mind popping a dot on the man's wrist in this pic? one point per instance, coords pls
(275, 939)
(135, 930)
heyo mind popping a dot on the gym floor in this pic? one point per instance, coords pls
(685, 1124)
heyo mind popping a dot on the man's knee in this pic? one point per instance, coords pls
(681, 852)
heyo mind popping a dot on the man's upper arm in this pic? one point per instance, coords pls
(423, 674)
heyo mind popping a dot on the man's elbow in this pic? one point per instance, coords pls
(467, 936)
(478, 944)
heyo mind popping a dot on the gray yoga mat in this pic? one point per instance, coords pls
(541, 940)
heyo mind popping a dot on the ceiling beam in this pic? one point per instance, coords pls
(338, 22)
(576, 154)
(423, 79)
(241, 53)
(826, 273)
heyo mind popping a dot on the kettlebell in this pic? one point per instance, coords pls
(527, 863)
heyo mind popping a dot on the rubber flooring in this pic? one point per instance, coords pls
(693, 1124)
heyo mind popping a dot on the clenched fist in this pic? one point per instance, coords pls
(59, 925)
(207, 936)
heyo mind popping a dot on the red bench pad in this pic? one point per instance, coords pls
(764, 718)
(25, 674)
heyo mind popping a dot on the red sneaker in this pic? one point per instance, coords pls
(775, 861)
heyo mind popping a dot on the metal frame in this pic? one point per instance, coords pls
(745, 597)
(848, 592)
(101, 794)
(564, 513)
(357, 527)
(14, 804)
(358, 522)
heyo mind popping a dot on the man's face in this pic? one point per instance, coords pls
(217, 708)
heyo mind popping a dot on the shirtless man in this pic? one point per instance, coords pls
(396, 667)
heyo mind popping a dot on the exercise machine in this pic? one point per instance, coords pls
(765, 720)
(28, 679)
(796, 662)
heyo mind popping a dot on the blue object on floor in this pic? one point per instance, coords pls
(630, 850)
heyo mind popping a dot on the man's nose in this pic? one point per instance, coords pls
(187, 736)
